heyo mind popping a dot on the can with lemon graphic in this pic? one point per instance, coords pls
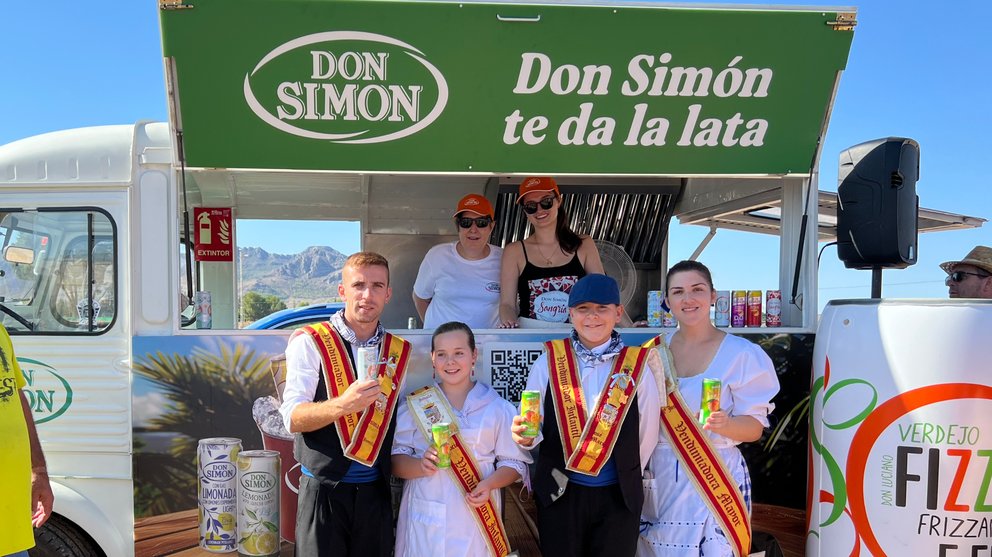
(217, 493)
(258, 503)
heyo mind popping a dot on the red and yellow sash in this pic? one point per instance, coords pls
(361, 434)
(706, 469)
(429, 406)
(588, 441)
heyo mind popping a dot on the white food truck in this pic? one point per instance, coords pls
(650, 116)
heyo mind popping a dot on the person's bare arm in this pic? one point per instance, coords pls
(739, 428)
(311, 416)
(421, 305)
(408, 467)
(500, 478)
(510, 267)
(42, 497)
(589, 256)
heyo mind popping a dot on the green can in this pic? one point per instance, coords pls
(710, 401)
(530, 410)
(442, 442)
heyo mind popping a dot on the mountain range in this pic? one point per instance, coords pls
(308, 277)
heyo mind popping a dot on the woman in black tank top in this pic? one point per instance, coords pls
(538, 273)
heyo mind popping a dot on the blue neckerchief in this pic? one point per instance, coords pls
(589, 357)
(337, 321)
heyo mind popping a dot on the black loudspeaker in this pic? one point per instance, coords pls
(878, 209)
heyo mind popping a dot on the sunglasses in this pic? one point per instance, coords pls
(959, 276)
(546, 203)
(466, 222)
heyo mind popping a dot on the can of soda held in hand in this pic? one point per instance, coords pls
(530, 410)
(710, 401)
(442, 442)
(367, 359)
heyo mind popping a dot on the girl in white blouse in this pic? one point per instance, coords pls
(675, 521)
(435, 516)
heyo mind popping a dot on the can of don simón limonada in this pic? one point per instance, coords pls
(258, 503)
(217, 493)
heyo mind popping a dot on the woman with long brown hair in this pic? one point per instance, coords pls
(538, 272)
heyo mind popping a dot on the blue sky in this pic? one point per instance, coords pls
(914, 71)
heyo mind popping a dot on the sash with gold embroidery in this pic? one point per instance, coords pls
(588, 441)
(361, 433)
(706, 468)
(429, 406)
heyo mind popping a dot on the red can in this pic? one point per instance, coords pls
(773, 308)
(753, 308)
(738, 308)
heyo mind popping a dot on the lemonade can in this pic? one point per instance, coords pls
(710, 401)
(259, 474)
(367, 358)
(442, 442)
(217, 493)
(530, 410)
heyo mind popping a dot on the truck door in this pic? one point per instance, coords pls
(62, 297)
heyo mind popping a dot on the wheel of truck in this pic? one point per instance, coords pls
(61, 538)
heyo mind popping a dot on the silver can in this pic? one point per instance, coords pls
(217, 493)
(366, 359)
(259, 474)
(721, 313)
(204, 310)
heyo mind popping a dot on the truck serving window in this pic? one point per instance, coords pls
(58, 271)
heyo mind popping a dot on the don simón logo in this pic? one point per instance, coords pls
(49, 394)
(346, 87)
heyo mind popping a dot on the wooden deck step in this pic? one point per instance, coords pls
(177, 533)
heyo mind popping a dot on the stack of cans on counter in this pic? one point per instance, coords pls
(237, 498)
(742, 308)
(734, 308)
(658, 313)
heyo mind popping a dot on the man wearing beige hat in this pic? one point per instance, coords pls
(972, 276)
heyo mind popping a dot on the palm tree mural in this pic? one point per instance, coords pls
(210, 394)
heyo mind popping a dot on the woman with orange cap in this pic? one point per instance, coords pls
(537, 273)
(459, 281)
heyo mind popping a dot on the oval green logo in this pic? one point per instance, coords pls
(48, 393)
(346, 87)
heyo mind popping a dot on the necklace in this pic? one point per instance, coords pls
(547, 260)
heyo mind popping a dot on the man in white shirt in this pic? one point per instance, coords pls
(589, 489)
(344, 505)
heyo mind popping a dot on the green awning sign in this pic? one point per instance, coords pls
(500, 88)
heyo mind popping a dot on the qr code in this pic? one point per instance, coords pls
(509, 368)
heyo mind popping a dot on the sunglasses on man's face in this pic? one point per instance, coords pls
(466, 222)
(546, 203)
(959, 276)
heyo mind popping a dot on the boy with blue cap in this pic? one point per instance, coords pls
(600, 412)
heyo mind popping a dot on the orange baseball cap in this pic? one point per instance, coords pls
(537, 183)
(475, 203)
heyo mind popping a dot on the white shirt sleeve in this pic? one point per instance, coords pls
(407, 440)
(423, 286)
(302, 376)
(755, 385)
(508, 453)
(649, 410)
